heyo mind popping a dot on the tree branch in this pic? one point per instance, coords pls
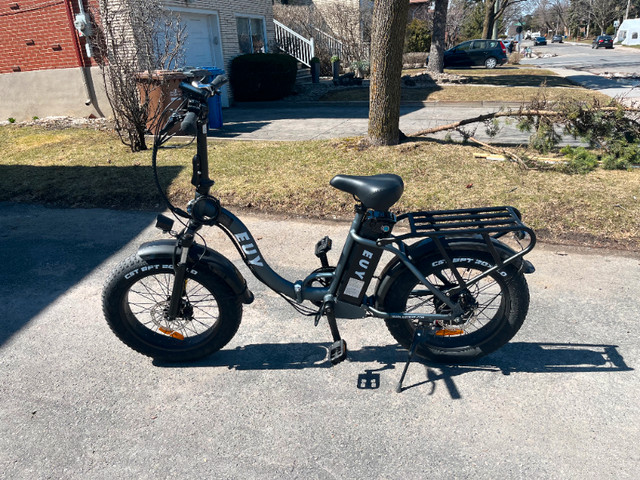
(507, 113)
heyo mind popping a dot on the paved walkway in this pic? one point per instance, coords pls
(627, 90)
(323, 120)
(317, 121)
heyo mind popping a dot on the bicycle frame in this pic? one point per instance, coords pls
(437, 227)
(302, 290)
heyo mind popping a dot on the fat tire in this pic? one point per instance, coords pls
(149, 341)
(460, 349)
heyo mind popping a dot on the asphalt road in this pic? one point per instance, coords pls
(580, 56)
(559, 402)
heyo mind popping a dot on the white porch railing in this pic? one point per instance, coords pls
(294, 44)
(332, 45)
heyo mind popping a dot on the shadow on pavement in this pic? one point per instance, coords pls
(45, 252)
(516, 357)
(253, 116)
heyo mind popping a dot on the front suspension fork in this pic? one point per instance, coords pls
(180, 271)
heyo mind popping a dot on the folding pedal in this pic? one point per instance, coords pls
(322, 247)
(338, 351)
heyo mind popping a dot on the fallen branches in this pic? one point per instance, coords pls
(612, 129)
(509, 155)
(480, 118)
(509, 113)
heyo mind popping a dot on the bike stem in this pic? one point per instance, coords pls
(200, 178)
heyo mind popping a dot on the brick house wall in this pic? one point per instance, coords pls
(39, 35)
(44, 68)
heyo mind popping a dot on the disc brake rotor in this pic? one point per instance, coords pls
(159, 316)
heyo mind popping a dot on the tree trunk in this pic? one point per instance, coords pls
(387, 42)
(489, 19)
(436, 53)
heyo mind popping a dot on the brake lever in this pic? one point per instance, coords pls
(204, 86)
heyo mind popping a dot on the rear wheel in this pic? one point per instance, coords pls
(136, 300)
(495, 307)
(490, 62)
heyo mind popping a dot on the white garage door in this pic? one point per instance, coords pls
(203, 47)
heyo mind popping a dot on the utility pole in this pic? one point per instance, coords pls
(626, 15)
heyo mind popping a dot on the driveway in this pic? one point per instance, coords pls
(580, 56)
(559, 402)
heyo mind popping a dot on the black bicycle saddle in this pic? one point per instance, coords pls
(378, 192)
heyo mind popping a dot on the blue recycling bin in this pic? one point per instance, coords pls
(215, 104)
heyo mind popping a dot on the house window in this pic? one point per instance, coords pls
(634, 35)
(251, 34)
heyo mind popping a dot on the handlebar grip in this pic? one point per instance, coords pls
(189, 124)
(219, 81)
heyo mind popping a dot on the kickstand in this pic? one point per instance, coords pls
(418, 338)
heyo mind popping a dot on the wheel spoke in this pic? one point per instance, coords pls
(487, 293)
(148, 300)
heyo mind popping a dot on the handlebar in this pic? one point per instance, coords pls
(202, 91)
(198, 92)
(219, 81)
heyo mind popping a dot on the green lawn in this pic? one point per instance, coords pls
(502, 84)
(88, 168)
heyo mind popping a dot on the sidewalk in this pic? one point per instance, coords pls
(627, 90)
(286, 121)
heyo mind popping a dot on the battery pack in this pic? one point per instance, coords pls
(363, 260)
(362, 265)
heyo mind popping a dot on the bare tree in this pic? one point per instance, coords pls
(551, 15)
(388, 27)
(604, 12)
(351, 24)
(493, 11)
(456, 17)
(436, 53)
(134, 39)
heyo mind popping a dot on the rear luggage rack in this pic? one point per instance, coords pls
(487, 223)
(494, 221)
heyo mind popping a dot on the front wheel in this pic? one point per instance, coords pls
(495, 307)
(136, 300)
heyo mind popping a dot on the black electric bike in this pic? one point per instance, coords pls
(453, 291)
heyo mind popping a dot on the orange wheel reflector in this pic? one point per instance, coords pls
(171, 333)
(446, 333)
